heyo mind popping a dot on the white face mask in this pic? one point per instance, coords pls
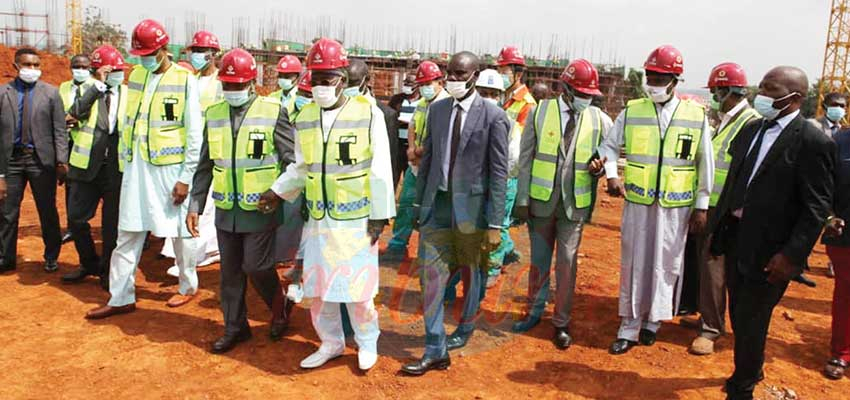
(458, 89)
(325, 96)
(29, 75)
(407, 90)
(237, 98)
(115, 78)
(80, 75)
(285, 84)
(579, 104)
(658, 94)
(494, 102)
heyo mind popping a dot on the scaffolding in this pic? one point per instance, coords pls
(835, 67)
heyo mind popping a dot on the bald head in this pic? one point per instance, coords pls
(465, 60)
(358, 73)
(792, 78)
(787, 86)
(540, 91)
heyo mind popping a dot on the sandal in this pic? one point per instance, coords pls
(835, 368)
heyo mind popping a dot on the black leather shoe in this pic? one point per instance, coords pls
(804, 280)
(51, 266)
(562, 338)
(621, 346)
(229, 341)
(646, 337)
(6, 267)
(76, 275)
(457, 340)
(426, 364)
(526, 325)
(67, 236)
(281, 311)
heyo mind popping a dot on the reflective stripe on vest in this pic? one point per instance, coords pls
(244, 171)
(337, 170)
(720, 144)
(547, 128)
(158, 123)
(81, 150)
(662, 169)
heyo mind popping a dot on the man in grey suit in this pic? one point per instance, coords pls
(460, 195)
(34, 149)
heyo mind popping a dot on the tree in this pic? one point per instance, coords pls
(634, 84)
(97, 32)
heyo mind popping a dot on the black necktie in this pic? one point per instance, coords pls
(569, 130)
(455, 142)
(26, 134)
(108, 102)
(742, 180)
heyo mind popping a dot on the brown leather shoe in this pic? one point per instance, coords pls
(178, 300)
(108, 311)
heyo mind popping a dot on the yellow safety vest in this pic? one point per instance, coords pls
(287, 101)
(662, 169)
(65, 92)
(211, 94)
(337, 169)
(420, 116)
(547, 128)
(81, 150)
(158, 123)
(245, 170)
(720, 145)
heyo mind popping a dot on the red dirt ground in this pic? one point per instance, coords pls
(50, 351)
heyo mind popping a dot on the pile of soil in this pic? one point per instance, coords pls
(55, 68)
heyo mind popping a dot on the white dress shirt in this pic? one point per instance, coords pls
(770, 137)
(727, 117)
(113, 103)
(464, 108)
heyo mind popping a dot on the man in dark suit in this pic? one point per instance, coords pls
(773, 206)
(460, 192)
(34, 149)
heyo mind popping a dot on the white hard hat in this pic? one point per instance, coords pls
(490, 78)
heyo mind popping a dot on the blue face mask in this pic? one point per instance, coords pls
(301, 101)
(115, 78)
(835, 114)
(427, 92)
(506, 81)
(199, 60)
(80, 74)
(285, 84)
(764, 106)
(352, 91)
(150, 63)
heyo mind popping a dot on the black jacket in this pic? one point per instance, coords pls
(104, 151)
(788, 199)
(391, 119)
(841, 197)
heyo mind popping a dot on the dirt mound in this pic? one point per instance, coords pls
(55, 68)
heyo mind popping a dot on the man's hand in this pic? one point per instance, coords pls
(2, 189)
(192, 224)
(102, 72)
(71, 122)
(268, 202)
(412, 155)
(494, 239)
(615, 187)
(699, 218)
(835, 227)
(597, 166)
(179, 193)
(375, 228)
(520, 213)
(779, 269)
(61, 173)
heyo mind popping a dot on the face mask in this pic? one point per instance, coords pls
(236, 98)
(351, 91)
(80, 74)
(458, 89)
(199, 60)
(494, 102)
(427, 92)
(714, 104)
(579, 104)
(407, 90)
(506, 81)
(29, 75)
(115, 78)
(764, 106)
(301, 101)
(285, 84)
(325, 96)
(658, 94)
(835, 114)
(150, 63)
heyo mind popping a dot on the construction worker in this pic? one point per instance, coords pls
(247, 137)
(668, 181)
(94, 163)
(343, 166)
(404, 103)
(202, 55)
(70, 90)
(430, 79)
(303, 96)
(556, 192)
(518, 104)
(288, 70)
(728, 85)
(834, 108)
(159, 151)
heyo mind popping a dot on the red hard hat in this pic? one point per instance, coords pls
(237, 66)
(289, 64)
(510, 55)
(427, 72)
(304, 82)
(205, 39)
(107, 55)
(582, 76)
(727, 74)
(148, 36)
(326, 54)
(666, 60)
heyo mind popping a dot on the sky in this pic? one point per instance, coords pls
(758, 34)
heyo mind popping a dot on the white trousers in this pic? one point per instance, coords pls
(327, 320)
(630, 328)
(125, 258)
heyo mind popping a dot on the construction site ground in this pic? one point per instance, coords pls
(51, 351)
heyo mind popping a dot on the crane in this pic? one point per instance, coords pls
(74, 20)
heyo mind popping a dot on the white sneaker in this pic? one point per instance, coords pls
(319, 358)
(366, 359)
(173, 271)
(294, 293)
